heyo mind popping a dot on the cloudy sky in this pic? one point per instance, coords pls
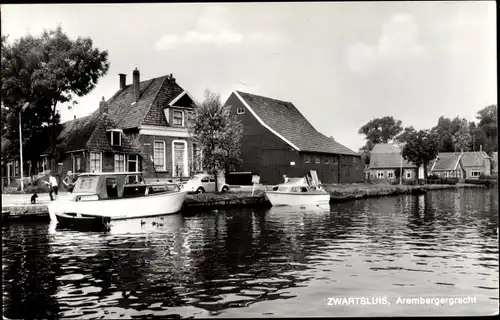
(341, 64)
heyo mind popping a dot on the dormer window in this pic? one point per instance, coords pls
(240, 111)
(178, 118)
(115, 137)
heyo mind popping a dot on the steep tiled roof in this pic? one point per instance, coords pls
(89, 133)
(474, 159)
(154, 94)
(386, 155)
(446, 161)
(284, 118)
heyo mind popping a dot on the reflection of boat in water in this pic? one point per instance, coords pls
(299, 191)
(99, 198)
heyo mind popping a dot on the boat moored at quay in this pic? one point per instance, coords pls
(100, 198)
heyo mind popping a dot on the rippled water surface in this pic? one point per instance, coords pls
(263, 262)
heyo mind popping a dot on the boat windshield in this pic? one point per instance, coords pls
(86, 184)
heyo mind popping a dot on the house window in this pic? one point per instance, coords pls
(475, 174)
(95, 162)
(197, 166)
(380, 174)
(353, 159)
(44, 163)
(327, 161)
(178, 118)
(16, 167)
(408, 174)
(334, 161)
(159, 155)
(307, 159)
(240, 111)
(317, 159)
(119, 162)
(116, 139)
(390, 174)
(132, 163)
(77, 163)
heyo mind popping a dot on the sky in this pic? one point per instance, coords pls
(341, 64)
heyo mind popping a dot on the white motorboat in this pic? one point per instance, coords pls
(298, 192)
(99, 198)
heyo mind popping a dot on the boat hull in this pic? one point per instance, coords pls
(297, 199)
(76, 221)
(124, 208)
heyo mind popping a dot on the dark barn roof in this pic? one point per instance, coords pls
(286, 120)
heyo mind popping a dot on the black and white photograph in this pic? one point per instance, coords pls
(249, 160)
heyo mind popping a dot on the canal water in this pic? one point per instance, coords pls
(386, 254)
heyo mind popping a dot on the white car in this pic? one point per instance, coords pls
(204, 182)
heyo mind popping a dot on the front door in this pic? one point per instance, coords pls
(179, 154)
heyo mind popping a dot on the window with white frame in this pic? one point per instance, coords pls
(132, 163)
(327, 161)
(317, 159)
(307, 159)
(475, 174)
(159, 155)
(116, 138)
(390, 174)
(77, 163)
(178, 118)
(240, 111)
(380, 174)
(119, 162)
(408, 174)
(45, 164)
(95, 162)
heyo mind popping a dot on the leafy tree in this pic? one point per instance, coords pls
(462, 138)
(219, 134)
(47, 70)
(421, 147)
(407, 132)
(444, 132)
(381, 130)
(488, 124)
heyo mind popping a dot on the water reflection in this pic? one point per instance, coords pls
(236, 262)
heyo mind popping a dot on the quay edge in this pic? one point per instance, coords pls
(39, 212)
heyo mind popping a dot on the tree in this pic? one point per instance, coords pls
(381, 130)
(219, 134)
(407, 132)
(421, 147)
(462, 138)
(444, 132)
(47, 70)
(488, 124)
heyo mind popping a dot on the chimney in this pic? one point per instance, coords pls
(103, 106)
(123, 80)
(136, 80)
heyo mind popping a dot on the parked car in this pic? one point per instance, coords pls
(204, 182)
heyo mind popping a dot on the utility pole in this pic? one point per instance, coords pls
(21, 143)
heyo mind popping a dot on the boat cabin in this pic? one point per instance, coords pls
(115, 185)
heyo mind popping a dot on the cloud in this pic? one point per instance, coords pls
(213, 27)
(398, 40)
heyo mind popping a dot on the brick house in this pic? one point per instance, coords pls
(95, 144)
(277, 139)
(154, 114)
(387, 162)
(448, 165)
(475, 164)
